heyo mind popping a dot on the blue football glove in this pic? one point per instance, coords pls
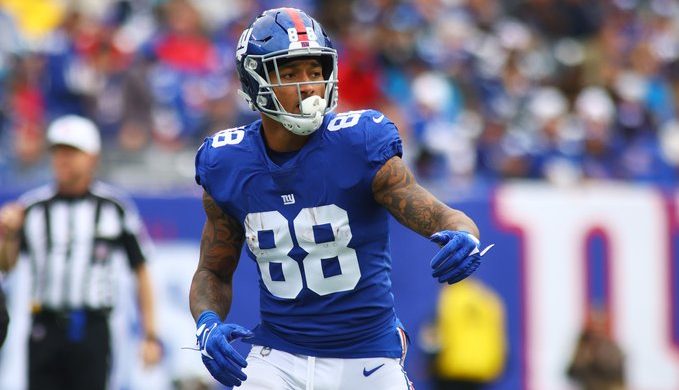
(221, 359)
(458, 257)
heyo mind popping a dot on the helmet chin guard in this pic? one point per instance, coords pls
(313, 110)
(276, 37)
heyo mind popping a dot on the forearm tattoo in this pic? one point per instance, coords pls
(220, 248)
(395, 188)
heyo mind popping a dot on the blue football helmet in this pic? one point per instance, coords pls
(274, 38)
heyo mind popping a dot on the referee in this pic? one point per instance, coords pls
(71, 231)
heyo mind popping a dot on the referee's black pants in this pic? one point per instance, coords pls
(69, 351)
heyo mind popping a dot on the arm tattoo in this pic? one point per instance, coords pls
(395, 188)
(220, 248)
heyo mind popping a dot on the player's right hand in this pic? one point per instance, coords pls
(11, 218)
(221, 359)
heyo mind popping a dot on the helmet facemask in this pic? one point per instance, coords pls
(313, 108)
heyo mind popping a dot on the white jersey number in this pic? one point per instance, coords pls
(273, 223)
(228, 137)
(344, 120)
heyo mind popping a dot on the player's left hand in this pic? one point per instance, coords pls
(458, 257)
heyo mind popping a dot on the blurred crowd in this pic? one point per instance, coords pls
(481, 90)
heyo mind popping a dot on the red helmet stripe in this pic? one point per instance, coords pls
(299, 24)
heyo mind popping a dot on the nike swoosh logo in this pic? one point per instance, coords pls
(370, 372)
(483, 252)
(378, 119)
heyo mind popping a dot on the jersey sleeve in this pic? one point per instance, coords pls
(382, 140)
(202, 156)
(217, 169)
(132, 247)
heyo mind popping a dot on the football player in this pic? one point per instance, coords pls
(309, 191)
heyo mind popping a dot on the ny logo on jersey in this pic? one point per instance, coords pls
(288, 199)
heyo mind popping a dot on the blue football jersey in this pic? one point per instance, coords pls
(320, 240)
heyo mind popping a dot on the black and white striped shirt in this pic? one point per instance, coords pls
(71, 243)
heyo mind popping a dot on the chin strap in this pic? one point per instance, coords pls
(300, 125)
(304, 125)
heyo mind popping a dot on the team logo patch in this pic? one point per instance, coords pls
(288, 199)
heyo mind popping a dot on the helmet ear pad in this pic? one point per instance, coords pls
(248, 83)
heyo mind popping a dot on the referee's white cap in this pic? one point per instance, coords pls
(76, 131)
